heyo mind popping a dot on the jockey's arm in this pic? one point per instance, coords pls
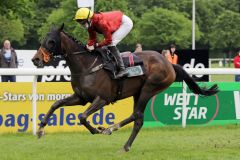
(92, 37)
(107, 35)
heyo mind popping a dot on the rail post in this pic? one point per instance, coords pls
(34, 105)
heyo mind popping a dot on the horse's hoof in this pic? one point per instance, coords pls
(107, 131)
(100, 129)
(40, 133)
(126, 148)
(121, 151)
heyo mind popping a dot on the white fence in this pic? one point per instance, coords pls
(35, 72)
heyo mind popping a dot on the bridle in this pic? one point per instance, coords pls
(48, 53)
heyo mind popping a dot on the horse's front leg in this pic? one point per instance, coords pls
(69, 101)
(97, 104)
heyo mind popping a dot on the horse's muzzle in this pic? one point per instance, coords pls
(37, 62)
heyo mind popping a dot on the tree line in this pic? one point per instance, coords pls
(157, 23)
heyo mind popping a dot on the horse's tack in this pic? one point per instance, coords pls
(46, 56)
(92, 69)
(79, 52)
(95, 69)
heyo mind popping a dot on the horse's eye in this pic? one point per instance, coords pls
(51, 44)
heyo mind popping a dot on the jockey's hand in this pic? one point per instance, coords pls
(90, 48)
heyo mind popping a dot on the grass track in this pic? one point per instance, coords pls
(174, 143)
(222, 78)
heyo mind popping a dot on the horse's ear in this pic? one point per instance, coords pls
(61, 28)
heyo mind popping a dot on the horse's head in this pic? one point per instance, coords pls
(50, 47)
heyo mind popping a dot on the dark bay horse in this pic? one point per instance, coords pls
(99, 89)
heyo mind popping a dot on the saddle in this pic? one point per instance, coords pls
(132, 63)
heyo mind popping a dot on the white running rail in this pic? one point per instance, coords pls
(58, 71)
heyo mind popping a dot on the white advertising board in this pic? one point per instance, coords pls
(85, 3)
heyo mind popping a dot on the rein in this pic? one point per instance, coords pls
(80, 52)
(90, 69)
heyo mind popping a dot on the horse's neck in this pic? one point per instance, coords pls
(78, 62)
(68, 45)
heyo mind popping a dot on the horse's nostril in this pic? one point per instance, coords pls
(35, 60)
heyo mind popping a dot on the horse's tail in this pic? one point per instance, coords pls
(181, 75)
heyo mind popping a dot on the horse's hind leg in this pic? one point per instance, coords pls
(147, 92)
(97, 104)
(138, 116)
(69, 101)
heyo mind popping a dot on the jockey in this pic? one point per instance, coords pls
(113, 25)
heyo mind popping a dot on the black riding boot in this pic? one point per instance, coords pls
(122, 71)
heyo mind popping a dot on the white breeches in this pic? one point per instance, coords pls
(122, 31)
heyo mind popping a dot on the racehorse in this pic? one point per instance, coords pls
(95, 85)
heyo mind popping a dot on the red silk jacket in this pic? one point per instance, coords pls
(104, 23)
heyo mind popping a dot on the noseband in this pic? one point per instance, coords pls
(46, 55)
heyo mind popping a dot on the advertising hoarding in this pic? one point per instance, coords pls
(16, 108)
(166, 108)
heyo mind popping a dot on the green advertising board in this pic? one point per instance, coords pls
(166, 107)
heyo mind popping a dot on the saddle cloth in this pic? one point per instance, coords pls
(129, 59)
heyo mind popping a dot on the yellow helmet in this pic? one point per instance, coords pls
(83, 13)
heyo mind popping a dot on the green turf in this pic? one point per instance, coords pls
(173, 143)
(222, 78)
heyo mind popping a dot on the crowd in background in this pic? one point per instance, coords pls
(236, 63)
(8, 59)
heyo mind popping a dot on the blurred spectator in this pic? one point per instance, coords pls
(138, 48)
(165, 53)
(171, 55)
(236, 62)
(8, 59)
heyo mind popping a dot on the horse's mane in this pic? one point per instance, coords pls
(74, 39)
